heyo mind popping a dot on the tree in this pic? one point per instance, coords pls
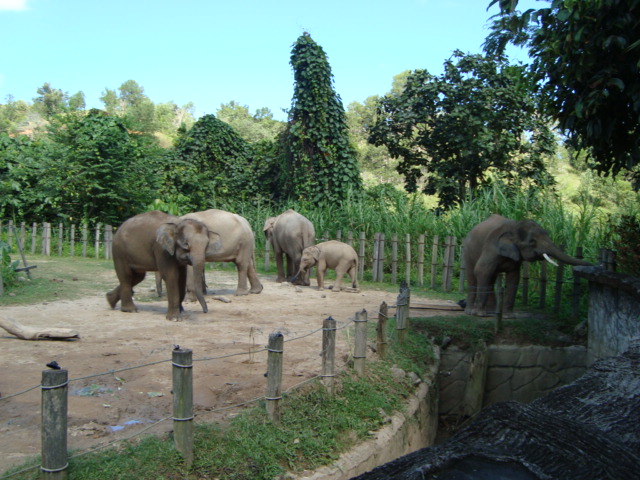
(77, 102)
(253, 128)
(318, 162)
(12, 113)
(450, 131)
(50, 101)
(110, 100)
(586, 57)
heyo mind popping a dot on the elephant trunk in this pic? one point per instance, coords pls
(198, 282)
(558, 254)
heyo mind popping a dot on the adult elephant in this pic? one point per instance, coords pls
(290, 233)
(238, 247)
(499, 245)
(156, 241)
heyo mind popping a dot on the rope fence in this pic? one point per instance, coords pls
(55, 382)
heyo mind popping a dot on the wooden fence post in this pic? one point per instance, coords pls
(34, 237)
(274, 376)
(60, 238)
(72, 240)
(108, 241)
(350, 238)
(339, 235)
(23, 234)
(394, 258)
(182, 373)
(267, 252)
(380, 274)
(381, 330)
(402, 311)
(329, 354)
(325, 237)
(84, 239)
(54, 424)
(96, 242)
(376, 250)
(360, 338)
(361, 257)
(46, 241)
(421, 260)
(407, 270)
(446, 267)
(434, 261)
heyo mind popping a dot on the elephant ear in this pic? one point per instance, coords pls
(508, 248)
(215, 243)
(315, 253)
(166, 237)
(268, 226)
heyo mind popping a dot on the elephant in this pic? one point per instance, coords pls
(499, 245)
(290, 233)
(156, 241)
(335, 255)
(238, 243)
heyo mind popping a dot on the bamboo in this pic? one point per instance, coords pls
(274, 376)
(54, 424)
(182, 373)
(360, 338)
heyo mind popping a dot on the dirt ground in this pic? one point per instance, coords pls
(116, 405)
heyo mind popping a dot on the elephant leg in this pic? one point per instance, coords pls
(113, 297)
(176, 280)
(126, 291)
(280, 266)
(512, 280)
(353, 273)
(158, 284)
(484, 294)
(472, 287)
(254, 281)
(321, 269)
(243, 283)
(191, 292)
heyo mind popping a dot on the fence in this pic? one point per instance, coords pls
(55, 386)
(435, 263)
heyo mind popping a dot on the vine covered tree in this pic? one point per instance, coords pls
(586, 57)
(319, 163)
(450, 131)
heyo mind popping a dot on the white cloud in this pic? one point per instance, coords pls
(15, 5)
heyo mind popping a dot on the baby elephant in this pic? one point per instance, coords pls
(335, 255)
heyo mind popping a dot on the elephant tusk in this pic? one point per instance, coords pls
(548, 259)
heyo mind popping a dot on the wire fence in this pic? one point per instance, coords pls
(55, 387)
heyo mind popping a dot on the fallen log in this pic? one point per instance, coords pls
(30, 333)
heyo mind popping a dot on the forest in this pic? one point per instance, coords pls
(555, 140)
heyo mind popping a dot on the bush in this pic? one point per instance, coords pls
(627, 245)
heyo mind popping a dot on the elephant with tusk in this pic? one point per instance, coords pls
(499, 245)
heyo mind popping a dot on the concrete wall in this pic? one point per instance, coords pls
(469, 381)
(614, 311)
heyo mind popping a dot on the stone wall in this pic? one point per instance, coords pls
(614, 311)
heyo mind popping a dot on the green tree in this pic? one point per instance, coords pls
(586, 57)
(211, 164)
(319, 163)
(12, 113)
(450, 131)
(253, 128)
(77, 102)
(50, 101)
(110, 100)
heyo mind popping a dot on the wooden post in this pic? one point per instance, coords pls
(23, 234)
(380, 275)
(267, 251)
(54, 424)
(274, 376)
(329, 354)
(407, 270)
(421, 260)
(376, 249)
(34, 237)
(463, 271)
(402, 311)
(339, 235)
(182, 373)
(97, 241)
(434, 261)
(84, 240)
(381, 330)
(361, 257)
(360, 338)
(21, 250)
(559, 279)
(394, 258)
(108, 241)
(543, 284)
(60, 238)
(72, 240)
(350, 238)
(575, 300)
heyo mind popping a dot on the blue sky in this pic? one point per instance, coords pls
(211, 52)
